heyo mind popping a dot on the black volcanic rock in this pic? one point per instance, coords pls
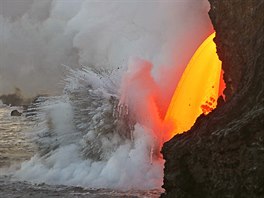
(15, 113)
(222, 155)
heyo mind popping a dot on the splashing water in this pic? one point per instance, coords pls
(83, 139)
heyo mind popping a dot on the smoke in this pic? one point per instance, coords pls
(37, 37)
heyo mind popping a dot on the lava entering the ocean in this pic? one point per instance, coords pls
(197, 90)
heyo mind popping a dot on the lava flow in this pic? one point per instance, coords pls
(197, 91)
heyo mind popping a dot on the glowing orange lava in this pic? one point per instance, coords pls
(197, 91)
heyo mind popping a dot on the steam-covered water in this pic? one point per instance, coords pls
(14, 189)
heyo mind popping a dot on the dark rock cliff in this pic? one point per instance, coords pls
(222, 155)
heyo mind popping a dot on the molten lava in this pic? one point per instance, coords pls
(197, 91)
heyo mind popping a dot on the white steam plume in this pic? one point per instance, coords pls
(37, 37)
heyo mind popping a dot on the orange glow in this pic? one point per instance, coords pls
(197, 91)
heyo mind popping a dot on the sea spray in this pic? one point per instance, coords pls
(82, 142)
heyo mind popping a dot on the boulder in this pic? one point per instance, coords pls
(15, 113)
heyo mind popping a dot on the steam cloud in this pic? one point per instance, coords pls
(37, 37)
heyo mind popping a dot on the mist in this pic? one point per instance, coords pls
(38, 37)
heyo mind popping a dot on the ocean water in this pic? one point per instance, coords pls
(14, 145)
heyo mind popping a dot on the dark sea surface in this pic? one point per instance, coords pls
(16, 147)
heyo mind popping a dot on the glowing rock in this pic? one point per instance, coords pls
(197, 91)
